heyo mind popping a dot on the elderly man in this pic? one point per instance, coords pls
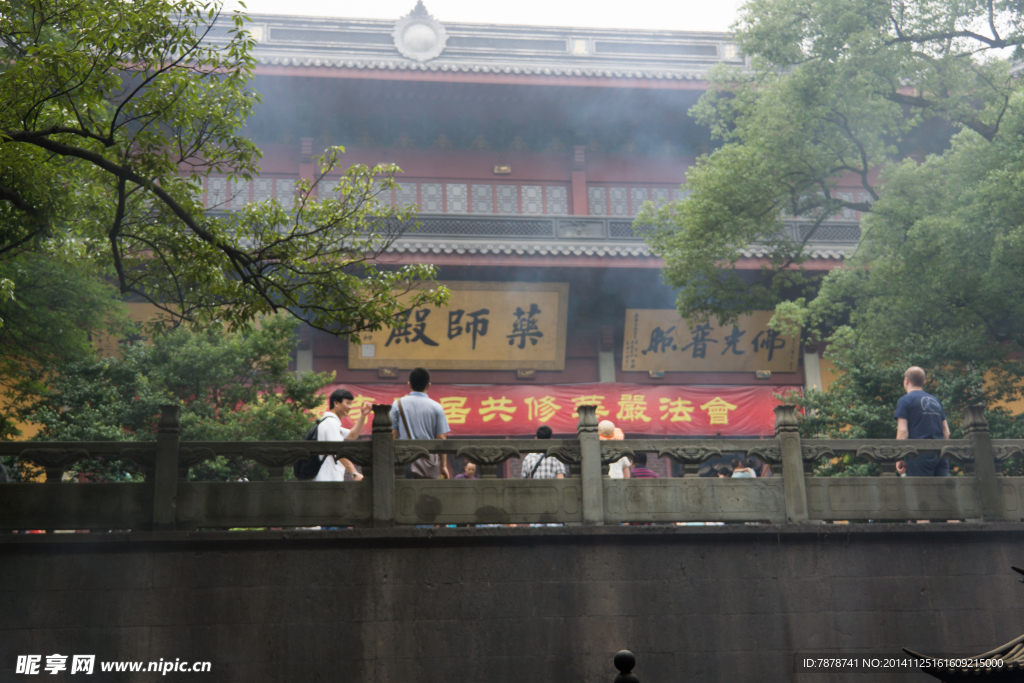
(607, 431)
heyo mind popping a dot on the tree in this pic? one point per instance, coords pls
(57, 304)
(851, 90)
(111, 115)
(231, 387)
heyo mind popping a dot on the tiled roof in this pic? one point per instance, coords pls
(516, 248)
(452, 66)
(433, 46)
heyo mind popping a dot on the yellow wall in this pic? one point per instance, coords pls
(106, 345)
(828, 373)
(109, 346)
(1015, 407)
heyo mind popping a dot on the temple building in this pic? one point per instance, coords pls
(529, 151)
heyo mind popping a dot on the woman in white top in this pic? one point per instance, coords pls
(742, 471)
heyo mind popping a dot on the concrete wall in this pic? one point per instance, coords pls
(510, 605)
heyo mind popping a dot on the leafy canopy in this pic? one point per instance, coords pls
(57, 304)
(111, 115)
(230, 386)
(833, 90)
(862, 93)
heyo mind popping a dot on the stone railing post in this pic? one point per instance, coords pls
(788, 434)
(383, 475)
(991, 498)
(590, 465)
(165, 469)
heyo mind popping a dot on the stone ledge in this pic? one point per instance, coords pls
(525, 535)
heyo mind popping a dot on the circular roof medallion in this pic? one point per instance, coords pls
(418, 35)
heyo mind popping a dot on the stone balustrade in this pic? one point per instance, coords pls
(168, 500)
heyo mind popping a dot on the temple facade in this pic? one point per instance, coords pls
(528, 152)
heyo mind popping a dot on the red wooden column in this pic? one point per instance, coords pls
(579, 181)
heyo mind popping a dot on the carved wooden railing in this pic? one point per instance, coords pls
(168, 500)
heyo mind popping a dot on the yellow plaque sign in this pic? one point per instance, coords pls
(661, 340)
(486, 326)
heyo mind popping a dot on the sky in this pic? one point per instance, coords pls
(672, 15)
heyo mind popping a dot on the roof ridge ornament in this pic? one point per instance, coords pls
(420, 11)
(418, 35)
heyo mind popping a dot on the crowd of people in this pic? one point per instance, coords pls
(919, 415)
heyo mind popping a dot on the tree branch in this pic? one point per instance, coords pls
(30, 136)
(994, 43)
(115, 230)
(983, 129)
(237, 256)
(992, 19)
(11, 195)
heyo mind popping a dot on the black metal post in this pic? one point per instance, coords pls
(625, 661)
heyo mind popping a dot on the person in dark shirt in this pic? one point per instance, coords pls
(761, 469)
(919, 415)
(639, 469)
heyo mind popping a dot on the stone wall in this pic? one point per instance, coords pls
(509, 605)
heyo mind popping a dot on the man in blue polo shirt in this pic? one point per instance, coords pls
(417, 416)
(919, 415)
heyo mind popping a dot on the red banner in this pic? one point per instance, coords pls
(637, 409)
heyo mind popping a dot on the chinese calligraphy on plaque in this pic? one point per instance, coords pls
(486, 326)
(660, 340)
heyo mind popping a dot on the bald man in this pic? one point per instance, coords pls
(919, 415)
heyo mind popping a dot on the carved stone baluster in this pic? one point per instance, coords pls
(787, 432)
(54, 460)
(690, 457)
(487, 458)
(569, 455)
(274, 458)
(383, 478)
(590, 466)
(54, 475)
(611, 453)
(991, 497)
(1002, 454)
(190, 457)
(165, 469)
(772, 455)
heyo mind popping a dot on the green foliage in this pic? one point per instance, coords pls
(230, 386)
(112, 114)
(861, 402)
(846, 466)
(55, 304)
(843, 91)
(832, 89)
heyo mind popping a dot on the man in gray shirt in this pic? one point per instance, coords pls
(424, 419)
